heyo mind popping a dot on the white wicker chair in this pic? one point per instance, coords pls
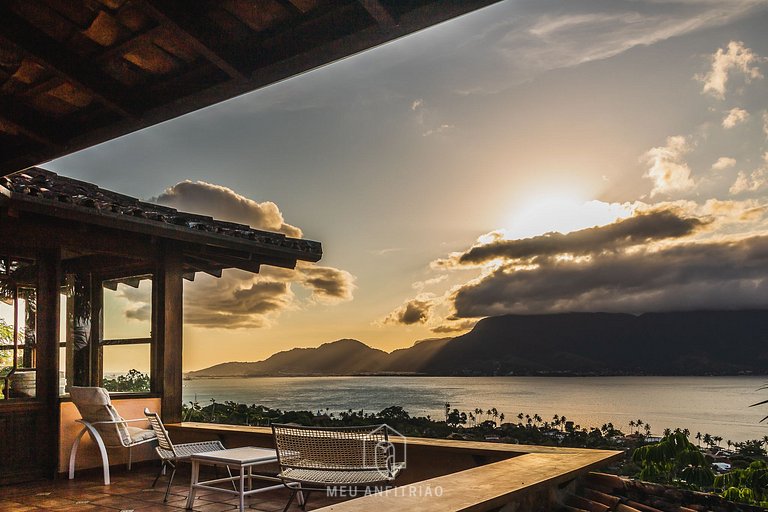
(106, 427)
(171, 454)
(316, 458)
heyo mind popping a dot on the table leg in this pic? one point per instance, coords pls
(250, 478)
(195, 478)
(242, 489)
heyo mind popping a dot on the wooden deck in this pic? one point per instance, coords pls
(132, 491)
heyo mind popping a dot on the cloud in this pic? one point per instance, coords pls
(328, 285)
(420, 285)
(667, 256)
(713, 274)
(225, 204)
(668, 171)
(751, 182)
(241, 299)
(536, 42)
(723, 163)
(735, 116)
(417, 104)
(237, 300)
(443, 128)
(414, 311)
(736, 58)
(454, 327)
(765, 124)
(641, 228)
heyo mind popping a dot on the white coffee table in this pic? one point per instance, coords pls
(242, 459)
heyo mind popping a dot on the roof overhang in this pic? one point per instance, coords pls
(75, 74)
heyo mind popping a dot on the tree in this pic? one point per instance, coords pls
(673, 459)
(749, 485)
(698, 438)
(132, 382)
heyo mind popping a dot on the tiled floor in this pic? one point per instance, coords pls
(132, 491)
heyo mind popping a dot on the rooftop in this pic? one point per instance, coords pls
(227, 244)
(75, 73)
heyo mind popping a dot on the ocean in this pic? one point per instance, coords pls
(714, 405)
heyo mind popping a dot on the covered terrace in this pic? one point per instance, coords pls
(77, 73)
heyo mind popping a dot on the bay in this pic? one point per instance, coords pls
(714, 405)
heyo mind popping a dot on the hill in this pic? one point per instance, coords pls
(682, 343)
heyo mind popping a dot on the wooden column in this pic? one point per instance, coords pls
(167, 307)
(49, 279)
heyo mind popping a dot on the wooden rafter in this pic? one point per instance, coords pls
(23, 119)
(379, 12)
(46, 51)
(170, 16)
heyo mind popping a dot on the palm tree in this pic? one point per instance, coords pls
(647, 429)
(707, 439)
(729, 443)
(631, 425)
(667, 432)
(447, 410)
(765, 441)
(536, 419)
(717, 439)
(698, 439)
(501, 418)
(472, 418)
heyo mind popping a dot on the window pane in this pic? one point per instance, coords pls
(126, 367)
(27, 325)
(128, 310)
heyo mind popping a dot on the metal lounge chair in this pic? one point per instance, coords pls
(106, 427)
(171, 454)
(315, 458)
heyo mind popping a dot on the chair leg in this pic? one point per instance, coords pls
(305, 495)
(73, 453)
(130, 457)
(170, 481)
(290, 499)
(159, 474)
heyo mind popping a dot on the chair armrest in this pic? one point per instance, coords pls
(113, 422)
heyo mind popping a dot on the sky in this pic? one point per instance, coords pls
(531, 157)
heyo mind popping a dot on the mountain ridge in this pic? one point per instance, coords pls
(676, 343)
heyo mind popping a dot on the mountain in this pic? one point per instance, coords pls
(341, 357)
(681, 343)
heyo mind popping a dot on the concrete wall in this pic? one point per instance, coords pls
(88, 453)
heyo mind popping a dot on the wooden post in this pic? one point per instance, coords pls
(49, 279)
(167, 331)
(97, 330)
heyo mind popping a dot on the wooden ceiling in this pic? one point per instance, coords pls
(74, 73)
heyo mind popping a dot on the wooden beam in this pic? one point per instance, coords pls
(24, 119)
(175, 17)
(46, 51)
(379, 12)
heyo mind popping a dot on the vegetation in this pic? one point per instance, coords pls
(132, 382)
(748, 485)
(674, 460)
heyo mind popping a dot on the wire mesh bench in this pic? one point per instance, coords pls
(317, 458)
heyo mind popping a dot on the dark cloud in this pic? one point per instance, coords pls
(236, 300)
(225, 204)
(415, 311)
(448, 328)
(638, 229)
(327, 284)
(691, 275)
